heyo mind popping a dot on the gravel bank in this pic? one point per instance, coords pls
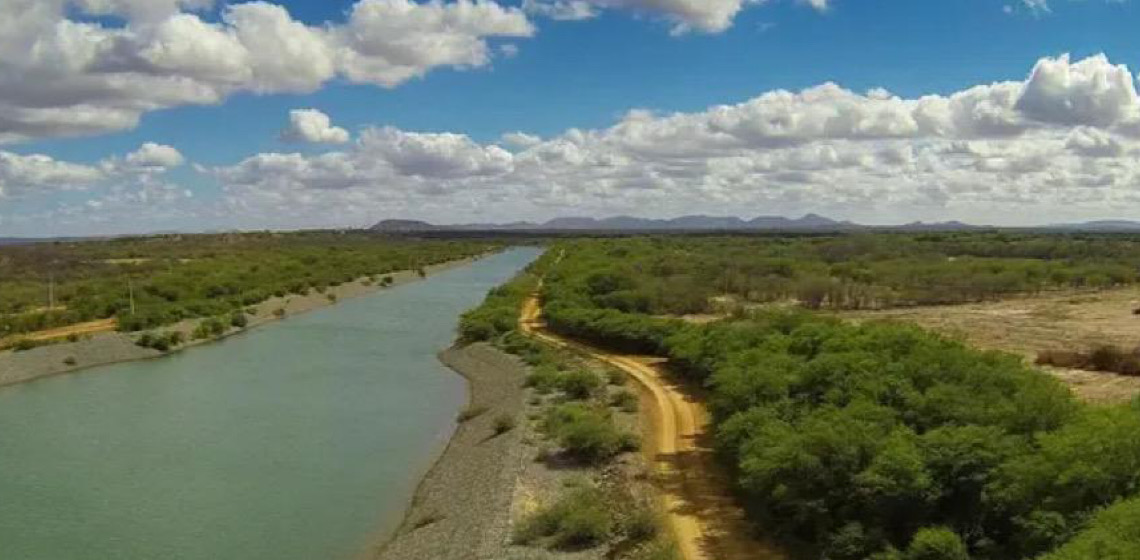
(113, 347)
(461, 510)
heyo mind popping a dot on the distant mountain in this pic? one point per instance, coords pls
(809, 222)
(405, 226)
(1101, 226)
(630, 223)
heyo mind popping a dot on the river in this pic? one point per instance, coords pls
(302, 440)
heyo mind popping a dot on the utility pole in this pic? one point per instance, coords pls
(51, 291)
(131, 294)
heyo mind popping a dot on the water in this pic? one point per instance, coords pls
(297, 441)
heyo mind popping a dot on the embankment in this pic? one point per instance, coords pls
(461, 510)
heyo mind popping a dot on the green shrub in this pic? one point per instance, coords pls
(579, 384)
(544, 379)
(640, 524)
(238, 320)
(70, 361)
(625, 400)
(586, 433)
(577, 520)
(660, 549)
(937, 543)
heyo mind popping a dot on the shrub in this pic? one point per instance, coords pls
(640, 525)
(331, 297)
(936, 544)
(238, 320)
(544, 378)
(69, 361)
(586, 433)
(25, 344)
(504, 423)
(579, 384)
(279, 312)
(577, 520)
(624, 400)
(73, 337)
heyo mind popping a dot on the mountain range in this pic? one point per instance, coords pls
(809, 222)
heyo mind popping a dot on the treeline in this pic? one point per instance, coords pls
(682, 275)
(875, 441)
(176, 277)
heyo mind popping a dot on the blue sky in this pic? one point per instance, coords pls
(561, 75)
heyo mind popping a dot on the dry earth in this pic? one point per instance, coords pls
(1030, 325)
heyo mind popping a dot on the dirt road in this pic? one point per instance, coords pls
(78, 329)
(705, 521)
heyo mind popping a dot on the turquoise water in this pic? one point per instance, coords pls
(297, 441)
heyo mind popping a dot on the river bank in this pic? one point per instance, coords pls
(116, 347)
(462, 507)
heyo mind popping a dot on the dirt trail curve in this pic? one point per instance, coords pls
(699, 508)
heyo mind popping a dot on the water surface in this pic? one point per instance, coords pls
(297, 441)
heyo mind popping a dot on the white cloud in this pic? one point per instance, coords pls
(311, 125)
(67, 77)
(709, 16)
(1062, 138)
(20, 174)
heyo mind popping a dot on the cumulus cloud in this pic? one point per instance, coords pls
(62, 76)
(28, 174)
(311, 125)
(1063, 136)
(709, 16)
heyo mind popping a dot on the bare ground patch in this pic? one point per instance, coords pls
(1027, 326)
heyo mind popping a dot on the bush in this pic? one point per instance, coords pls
(238, 320)
(70, 361)
(73, 337)
(503, 424)
(544, 379)
(615, 377)
(577, 520)
(625, 400)
(586, 434)
(936, 544)
(579, 384)
(660, 549)
(279, 312)
(640, 525)
(332, 298)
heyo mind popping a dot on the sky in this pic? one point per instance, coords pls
(139, 116)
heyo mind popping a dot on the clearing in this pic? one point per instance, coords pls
(1026, 326)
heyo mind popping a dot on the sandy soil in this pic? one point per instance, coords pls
(700, 510)
(78, 329)
(461, 510)
(1029, 325)
(101, 346)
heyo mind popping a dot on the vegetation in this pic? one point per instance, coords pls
(586, 432)
(175, 277)
(578, 519)
(877, 440)
(681, 275)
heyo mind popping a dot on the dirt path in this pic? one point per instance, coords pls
(78, 329)
(700, 510)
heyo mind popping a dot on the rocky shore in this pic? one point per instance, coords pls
(462, 508)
